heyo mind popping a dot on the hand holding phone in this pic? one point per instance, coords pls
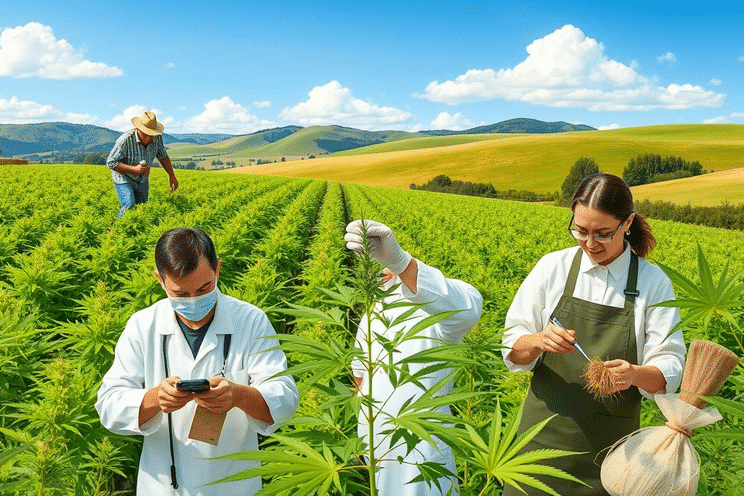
(193, 385)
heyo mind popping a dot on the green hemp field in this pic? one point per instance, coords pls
(71, 274)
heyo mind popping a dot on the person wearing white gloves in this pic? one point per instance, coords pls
(418, 283)
(195, 333)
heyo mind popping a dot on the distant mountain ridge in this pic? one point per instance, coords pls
(62, 141)
(529, 126)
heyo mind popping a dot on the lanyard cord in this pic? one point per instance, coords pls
(174, 480)
(225, 350)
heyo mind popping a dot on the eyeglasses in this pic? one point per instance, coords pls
(599, 238)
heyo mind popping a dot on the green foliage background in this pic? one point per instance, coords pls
(71, 274)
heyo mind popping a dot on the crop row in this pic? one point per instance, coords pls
(71, 274)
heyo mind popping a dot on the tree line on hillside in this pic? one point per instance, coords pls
(652, 168)
(724, 216)
(443, 184)
(647, 167)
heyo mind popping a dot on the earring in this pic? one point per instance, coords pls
(627, 233)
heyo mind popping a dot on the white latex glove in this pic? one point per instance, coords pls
(383, 246)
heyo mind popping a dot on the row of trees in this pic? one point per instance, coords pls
(652, 168)
(725, 216)
(444, 184)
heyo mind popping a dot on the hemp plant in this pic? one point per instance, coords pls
(321, 451)
(714, 307)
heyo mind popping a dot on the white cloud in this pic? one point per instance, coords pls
(335, 104)
(724, 119)
(608, 127)
(668, 57)
(455, 122)
(15, 111)
(741, 59)
(715, 82)
(76, 118)
(33, 51)
(721, 119)
(224, 116)
(263, 104)
(568, 69)
(123, 121)
(170, 65)
(219, 116)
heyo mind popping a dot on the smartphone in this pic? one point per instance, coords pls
(193, 385)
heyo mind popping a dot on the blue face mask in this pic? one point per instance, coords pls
(194, 308)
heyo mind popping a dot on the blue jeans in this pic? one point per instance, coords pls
(132, 193)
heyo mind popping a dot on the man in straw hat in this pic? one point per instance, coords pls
(130, 160)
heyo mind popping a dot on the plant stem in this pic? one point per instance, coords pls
(736, 338)
(370, 408)
(488, 484)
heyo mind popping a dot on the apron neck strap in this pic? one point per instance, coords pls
(630, 289)
(573, 274)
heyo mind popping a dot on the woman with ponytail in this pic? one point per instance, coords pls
(600, 296)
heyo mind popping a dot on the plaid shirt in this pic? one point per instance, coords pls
(130, 150)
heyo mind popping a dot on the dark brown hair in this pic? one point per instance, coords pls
(178, 251)
(611, 195)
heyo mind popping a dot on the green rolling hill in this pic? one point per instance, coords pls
(328, 140)
(534, 162)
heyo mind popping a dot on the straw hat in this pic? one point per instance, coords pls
(148, 124)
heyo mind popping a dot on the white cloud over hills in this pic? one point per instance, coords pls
(16, 111)
(223, 115)
(123, 121)
(34, 51)
(566, 68)
(733, 117)
(453, 122)
(333, 103)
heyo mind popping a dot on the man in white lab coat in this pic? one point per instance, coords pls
(195, 333)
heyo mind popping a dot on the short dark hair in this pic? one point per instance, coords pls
(611, 195)
(178, 251)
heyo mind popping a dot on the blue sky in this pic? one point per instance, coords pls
(237, 67)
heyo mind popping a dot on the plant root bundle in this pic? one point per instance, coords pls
(708, 366)
(599, 381)
(662, 460)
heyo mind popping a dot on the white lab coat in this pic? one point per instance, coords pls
(441, 294)
(138, 366)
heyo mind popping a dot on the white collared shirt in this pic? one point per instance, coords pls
(538, 296)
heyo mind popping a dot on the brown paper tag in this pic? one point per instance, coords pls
(206, 426)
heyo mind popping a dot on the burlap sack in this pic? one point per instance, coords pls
(658, 460)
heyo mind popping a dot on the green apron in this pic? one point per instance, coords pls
(583, 424)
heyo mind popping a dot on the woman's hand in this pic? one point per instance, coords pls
(552, 339)
(555, 339)
(646, 377)
(623, 373)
